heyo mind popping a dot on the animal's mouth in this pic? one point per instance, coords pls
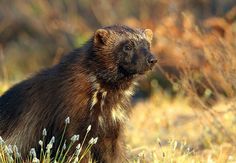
(144, 72)
(149, 68)
(141, 73)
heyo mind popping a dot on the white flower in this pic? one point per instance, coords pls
(33, 152)
(91, 141)
(95, 140)
(78, 150)
(44, 132)
(49, 147)
(6, 149)
(41, 143)
(74, 138)
(15, 149)
(10, 151)
(78, 146)
(52, 140)
(64, 146)
(89, 128)
(67, 120)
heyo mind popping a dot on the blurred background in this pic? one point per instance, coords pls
(183, 111)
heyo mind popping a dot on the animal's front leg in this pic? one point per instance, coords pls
(109, 151)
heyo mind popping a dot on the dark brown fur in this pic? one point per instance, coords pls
(92, 85)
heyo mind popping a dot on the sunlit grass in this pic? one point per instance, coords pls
(170, 130)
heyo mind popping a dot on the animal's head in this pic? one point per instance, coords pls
(123, 51)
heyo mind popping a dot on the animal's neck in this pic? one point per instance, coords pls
(109, 106)
(121, 87)
(112, 96)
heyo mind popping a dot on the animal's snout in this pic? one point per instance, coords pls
(151, 60)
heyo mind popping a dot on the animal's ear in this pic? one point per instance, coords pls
(101, 36)
(148, 34)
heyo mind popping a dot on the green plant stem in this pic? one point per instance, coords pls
(58, 149)
(64, 157)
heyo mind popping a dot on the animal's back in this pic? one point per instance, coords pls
(28, 107)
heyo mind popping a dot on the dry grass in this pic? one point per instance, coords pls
(184, 134)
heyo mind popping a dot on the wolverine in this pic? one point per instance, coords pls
(92, 85)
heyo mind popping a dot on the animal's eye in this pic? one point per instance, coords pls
(127, 48)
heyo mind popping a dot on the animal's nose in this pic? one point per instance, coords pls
(152, 60)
